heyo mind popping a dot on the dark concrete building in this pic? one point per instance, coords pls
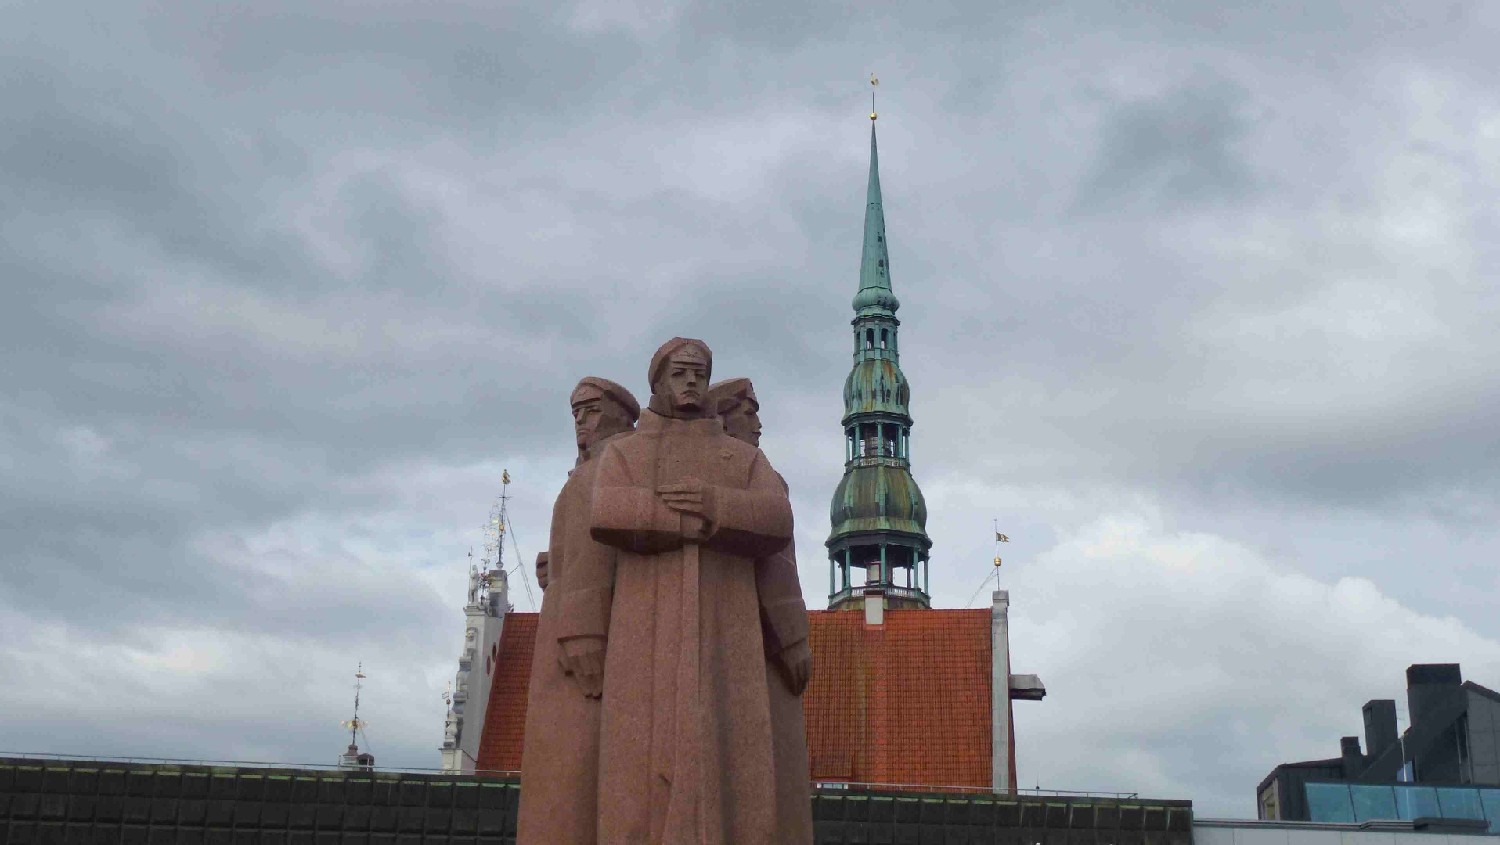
(46, 801)
(1453, 741)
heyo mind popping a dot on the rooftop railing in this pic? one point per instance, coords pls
(24, 757)
(857, 786)
(891, 590)
(19, 757)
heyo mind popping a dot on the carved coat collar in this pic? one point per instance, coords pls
(653, 422)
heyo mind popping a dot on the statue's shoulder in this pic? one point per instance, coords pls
(736, 453)
(582, 475)
(626, 443)
(740, 448)
(577, 485)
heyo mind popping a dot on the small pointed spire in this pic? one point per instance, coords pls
(874, 268)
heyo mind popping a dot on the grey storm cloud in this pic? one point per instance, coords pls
(284, 287)
(1171, 151)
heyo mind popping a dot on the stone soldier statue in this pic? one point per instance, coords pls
(783, 622)
(560, 760)
(685, 734)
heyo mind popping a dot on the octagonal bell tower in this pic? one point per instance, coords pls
(878, 547)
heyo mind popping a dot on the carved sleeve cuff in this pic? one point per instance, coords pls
(785, 623)
(634, 518)
(584, 613)
(752, 523)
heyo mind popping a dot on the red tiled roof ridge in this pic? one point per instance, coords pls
(505, 714)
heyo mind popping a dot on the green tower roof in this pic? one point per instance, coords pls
(879, 499)
(876, 386)
(878, 516)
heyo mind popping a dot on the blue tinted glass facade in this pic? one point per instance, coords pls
(1372, 803)
(1329, 802)
(1417, 802)
(1490, 800)
(1359, 802)
(1460, 803)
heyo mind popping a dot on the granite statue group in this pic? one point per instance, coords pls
(671, 656)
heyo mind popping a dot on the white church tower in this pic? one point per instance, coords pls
(484, 616)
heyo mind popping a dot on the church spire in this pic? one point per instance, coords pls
(874, 292)
(878, 545)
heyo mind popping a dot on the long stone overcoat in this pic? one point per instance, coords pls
(783, 616)
(686, 751)
(560, 758)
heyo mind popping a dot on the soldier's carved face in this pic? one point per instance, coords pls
(685, 380)
(742, 422)
(589, 411)
(597, 415)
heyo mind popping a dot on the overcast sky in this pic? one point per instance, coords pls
(1198, 301)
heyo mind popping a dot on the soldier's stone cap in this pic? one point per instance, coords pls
(725, 395)
(613, 390)
(664, 354)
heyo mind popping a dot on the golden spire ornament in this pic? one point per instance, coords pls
(874, 83)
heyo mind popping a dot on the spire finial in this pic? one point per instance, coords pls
(874, 83)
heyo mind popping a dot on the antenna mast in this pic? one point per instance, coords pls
(495, 527)
(502, 521)
(353, 758)
(493, 560)
(995, 570)
(356, 724)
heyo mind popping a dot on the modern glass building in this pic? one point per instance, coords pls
(1452, 745)
(1331, 801)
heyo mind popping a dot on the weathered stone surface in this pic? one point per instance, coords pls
(560, 758)
(686, 747)
(784, 626)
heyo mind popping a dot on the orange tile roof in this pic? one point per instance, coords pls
(505, 715)
(906, 702)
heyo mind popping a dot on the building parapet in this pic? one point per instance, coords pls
(58, 800)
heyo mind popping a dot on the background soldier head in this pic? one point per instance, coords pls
(735, 403)
(601, 409)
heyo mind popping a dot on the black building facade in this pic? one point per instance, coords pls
(1453, 740)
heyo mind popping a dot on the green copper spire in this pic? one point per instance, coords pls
(878, 545)
(875, 294)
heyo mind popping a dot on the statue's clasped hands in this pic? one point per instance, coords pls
(691, 498)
